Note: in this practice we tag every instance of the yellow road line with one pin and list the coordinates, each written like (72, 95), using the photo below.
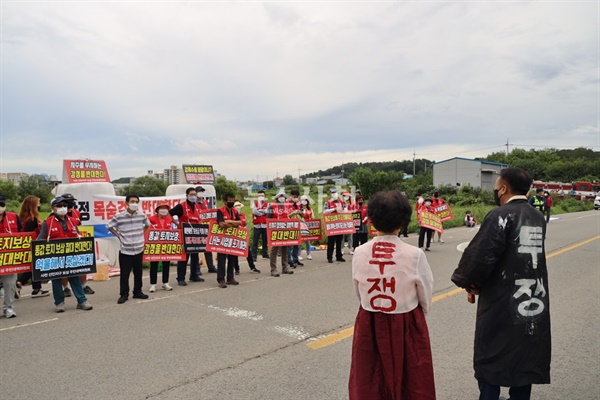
(346, 333)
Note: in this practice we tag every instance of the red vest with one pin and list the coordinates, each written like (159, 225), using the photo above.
(161, 223)
(307, 213)
(363, 210)
(262, 219)
(75, 216)
(203, 206)
(243, 219)
(279, 210)
(189, 215)
(56, 231)
(229, 214)
(9, 223)
(333, 204)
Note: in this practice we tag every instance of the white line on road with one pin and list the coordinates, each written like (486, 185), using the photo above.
(31, 323)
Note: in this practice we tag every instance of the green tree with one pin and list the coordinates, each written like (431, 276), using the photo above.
(370, 182)
(289, 180)
(36, 186)
(9, 190)
(146, 186)
(223, 186)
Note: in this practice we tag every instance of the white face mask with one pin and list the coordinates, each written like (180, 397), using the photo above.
(304, 202)
(162, 211)
(427, 203)
(2, 209)
(261, 198)
(238, 209)
(61, 211)
(192, 199)
(334, 196)
(133, 206)
(346, 198)
(281, 199)
(421, 200)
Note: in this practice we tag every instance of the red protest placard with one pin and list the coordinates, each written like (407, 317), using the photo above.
(314, 230)
(283, 232)
(15, 253)
(444, 212)
(431, 221)
(81, 171)
(232, 241)
(163, 245)
(339, 224)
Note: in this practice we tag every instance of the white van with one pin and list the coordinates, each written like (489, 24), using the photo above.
(209, 193)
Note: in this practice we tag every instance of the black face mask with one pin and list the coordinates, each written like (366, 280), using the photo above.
(496, 197)
(230, 204)
(39, 208)
(360, 204)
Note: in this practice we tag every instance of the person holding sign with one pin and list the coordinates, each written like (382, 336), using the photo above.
(9, 223)
(428, 208)
(238, 207)
(436, 202)
(259, 220)
(129, 227)
(307, 213)
(188, 212)
(391, 351)
(161, 220)
(204, 205)
(278, 210)
(29, 216)
(60, 226)
(334, 205)
(293, 205)
(227, 217)
(362, 234)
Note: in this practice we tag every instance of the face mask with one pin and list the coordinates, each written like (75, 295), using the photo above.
(304, 202)
(133, 206)
(162, 211)
(2, 209)
(281, 199)
(61, 211)
(334, 196)
(496, 197)
(39, 208)
(427, 203)
(261, 198)
(238, 209)
(230, 204)
(346, 198)
(193, 199)
(421, 200)
(360, 203)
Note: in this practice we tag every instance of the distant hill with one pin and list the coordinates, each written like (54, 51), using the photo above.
(405, 166)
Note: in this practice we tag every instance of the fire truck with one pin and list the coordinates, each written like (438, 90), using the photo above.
(579, 189)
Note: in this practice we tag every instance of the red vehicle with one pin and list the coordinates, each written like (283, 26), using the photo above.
(579, 189)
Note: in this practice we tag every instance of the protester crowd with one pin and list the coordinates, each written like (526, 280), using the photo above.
(391, 351)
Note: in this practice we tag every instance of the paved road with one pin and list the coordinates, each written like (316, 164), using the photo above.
(252, 341)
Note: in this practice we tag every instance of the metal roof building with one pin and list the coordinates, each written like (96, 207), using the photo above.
(459, 171)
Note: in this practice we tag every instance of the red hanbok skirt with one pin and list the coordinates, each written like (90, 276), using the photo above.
(391, 357)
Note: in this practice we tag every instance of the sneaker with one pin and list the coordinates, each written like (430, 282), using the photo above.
(287, 271)
(67, 292)
(309, 257)
(275, 274)
(60, 307)
(212, 270)
(299, 263)
(222, 284)
(86, 306)
(427, 249)
(152, 288)
(300, 258)
(330, 261)
(10, 313)
(232, 282)
(292, 266)
(121, 300)
(441, 240)
(182, 283)
(196, 279)
(88, 290)
(266, 256)
(256, 271)
(17, 291)
(237, 272)
(140, 295)
(340, 259)
(166, 286)
(40, 293)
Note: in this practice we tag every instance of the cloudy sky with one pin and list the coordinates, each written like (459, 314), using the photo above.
(266, 88)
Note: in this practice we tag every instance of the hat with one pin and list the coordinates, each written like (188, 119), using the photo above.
(57, 200)
(68, 197)
(304, 197)
(346, 193)
(332, 190)
(237, 204)
(539, 190)
(357, 191)
(162, 204)
(428, 199)
(281, 193)
(200, 189)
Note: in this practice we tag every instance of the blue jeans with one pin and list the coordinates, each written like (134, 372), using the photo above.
(293, 254)
(491, 392)
(76, 287)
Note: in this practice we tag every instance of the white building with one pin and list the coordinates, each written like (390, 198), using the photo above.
(459, 171)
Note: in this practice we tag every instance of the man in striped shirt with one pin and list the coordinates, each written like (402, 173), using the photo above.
(129, 227)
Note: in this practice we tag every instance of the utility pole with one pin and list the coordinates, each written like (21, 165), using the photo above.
(506, 146)
(414, 163)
